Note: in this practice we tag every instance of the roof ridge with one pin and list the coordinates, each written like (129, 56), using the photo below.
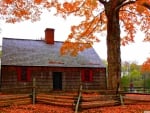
(28, 39)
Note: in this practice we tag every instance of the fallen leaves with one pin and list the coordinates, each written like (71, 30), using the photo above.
(38, 108)
(42, 108)
(120, 109)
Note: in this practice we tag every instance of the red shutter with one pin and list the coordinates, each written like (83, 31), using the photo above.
(82, 76)
(19, 73)
(91, 76)
(28, 74)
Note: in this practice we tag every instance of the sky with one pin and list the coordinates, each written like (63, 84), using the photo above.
(134, 52)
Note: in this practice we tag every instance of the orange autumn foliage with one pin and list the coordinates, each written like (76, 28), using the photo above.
(93, 12)
(146, 66)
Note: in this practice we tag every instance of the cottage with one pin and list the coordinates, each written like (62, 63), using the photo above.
(24, 59)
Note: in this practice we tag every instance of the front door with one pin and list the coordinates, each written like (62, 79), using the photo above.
(57, 81)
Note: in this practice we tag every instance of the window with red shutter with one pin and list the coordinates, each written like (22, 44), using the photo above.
(23, 74)
(87, 76)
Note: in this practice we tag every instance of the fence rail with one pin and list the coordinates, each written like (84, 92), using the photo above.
(30, 96)
(140, 95)
(7, 100)
(137, 89)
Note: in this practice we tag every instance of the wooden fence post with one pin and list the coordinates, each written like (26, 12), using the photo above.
(78, 100)
(121, 99)
(33, 91)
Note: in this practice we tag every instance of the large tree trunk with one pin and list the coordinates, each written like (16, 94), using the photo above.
(113, 46)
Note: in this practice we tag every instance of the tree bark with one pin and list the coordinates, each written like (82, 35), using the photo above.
(113, 46)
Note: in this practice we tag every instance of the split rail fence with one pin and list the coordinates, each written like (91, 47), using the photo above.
(78, 101)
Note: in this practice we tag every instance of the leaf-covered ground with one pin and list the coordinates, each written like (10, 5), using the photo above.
(41, 108)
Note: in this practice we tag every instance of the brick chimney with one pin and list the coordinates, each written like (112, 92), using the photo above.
(49, 35)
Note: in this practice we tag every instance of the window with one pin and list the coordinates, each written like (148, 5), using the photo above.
(87, 76)
(23, 74)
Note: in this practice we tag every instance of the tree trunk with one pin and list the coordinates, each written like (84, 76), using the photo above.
(113, 46)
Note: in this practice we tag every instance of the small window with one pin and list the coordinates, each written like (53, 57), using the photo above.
(23, 74)
(87, 76)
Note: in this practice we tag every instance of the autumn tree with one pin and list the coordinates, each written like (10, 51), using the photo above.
(114, 16)
(145, 69)
(146, 66)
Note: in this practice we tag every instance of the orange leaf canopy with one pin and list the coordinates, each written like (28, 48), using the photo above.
(93, 16)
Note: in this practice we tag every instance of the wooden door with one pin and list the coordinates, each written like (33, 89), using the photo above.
(57, 80)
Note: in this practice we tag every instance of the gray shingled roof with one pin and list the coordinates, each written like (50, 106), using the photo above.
(25, 52)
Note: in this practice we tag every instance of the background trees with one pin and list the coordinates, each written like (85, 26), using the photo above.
(96, 16)
(131, 73)
(145, 69)
(134, 73)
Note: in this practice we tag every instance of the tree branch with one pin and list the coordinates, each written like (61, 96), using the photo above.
(88, 27)
(146, 5)
(123, 3)
(102, 1)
